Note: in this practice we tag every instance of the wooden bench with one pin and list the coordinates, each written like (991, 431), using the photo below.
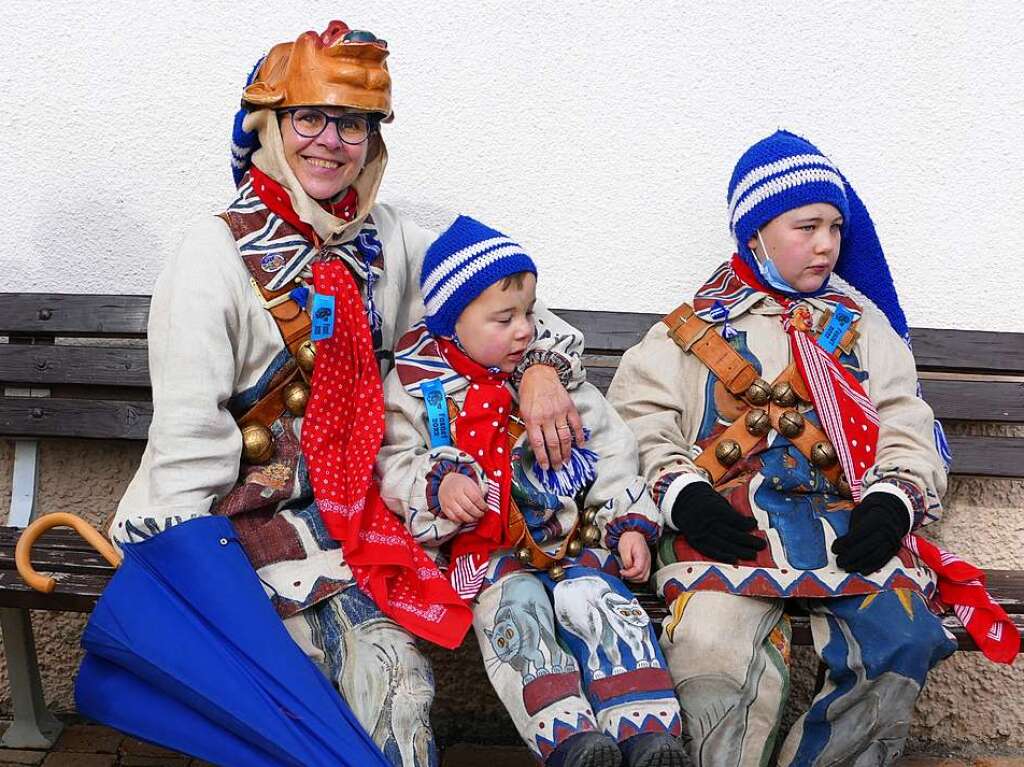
(76, 366)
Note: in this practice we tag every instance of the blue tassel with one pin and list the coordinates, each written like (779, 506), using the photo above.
(576, 473)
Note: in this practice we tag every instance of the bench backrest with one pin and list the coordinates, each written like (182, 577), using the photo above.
(76, 366)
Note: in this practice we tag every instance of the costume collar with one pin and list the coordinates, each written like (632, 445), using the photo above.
(419, 359)
(285, 244)
(726, 296)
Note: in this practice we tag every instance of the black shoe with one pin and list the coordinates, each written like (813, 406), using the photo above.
(654, 749)
(588, 749)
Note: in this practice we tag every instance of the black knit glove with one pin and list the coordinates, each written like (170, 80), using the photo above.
(712, 526)
(877, 525)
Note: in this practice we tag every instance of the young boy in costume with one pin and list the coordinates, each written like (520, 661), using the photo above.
(781, 430)
(567, 647)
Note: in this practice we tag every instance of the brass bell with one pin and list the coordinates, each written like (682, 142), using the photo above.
(590, 535)
(296, 395)
(757, 422)
(523, 555)
(574, 548)
(589, 516)
(728, 451)
(556, 573)
(783, 394)
(823, 455)
(758, 392)
(791, 423)
(257, 443)
(305, 355)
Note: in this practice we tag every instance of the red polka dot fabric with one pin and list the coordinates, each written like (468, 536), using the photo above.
(341, 433)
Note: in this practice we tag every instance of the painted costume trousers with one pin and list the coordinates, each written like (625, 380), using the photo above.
(377, 668)
(729, 659)
(571, 656)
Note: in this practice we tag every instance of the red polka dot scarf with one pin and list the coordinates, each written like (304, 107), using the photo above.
(341, 434)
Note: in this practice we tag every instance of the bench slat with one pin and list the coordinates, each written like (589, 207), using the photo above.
(68, 315)
(74, 593)
(950, 399)
(58, 417)
(59, 364)
(968, 351)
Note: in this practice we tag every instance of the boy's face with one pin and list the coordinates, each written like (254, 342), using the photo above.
(803, 243)
(497, 326)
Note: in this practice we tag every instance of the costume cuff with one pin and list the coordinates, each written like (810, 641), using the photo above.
(668, 488)
(561, 364)
(894, 488)
(441, 469)
(627, 522)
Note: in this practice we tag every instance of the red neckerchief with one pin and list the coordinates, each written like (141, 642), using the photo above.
(483, 434)
(277, 200)
(341, 434)
(851, 421)
(847, 414)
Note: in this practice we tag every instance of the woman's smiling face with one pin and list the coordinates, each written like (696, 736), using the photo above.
(325, 165)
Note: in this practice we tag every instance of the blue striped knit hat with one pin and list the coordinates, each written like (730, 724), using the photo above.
(785, 171)
(461, 264)
(243, 142)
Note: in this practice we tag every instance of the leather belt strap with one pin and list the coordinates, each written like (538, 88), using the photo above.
(694, 335)
(294, 325)
(737, 430)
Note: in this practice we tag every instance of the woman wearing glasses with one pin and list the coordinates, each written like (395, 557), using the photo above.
(268, 332)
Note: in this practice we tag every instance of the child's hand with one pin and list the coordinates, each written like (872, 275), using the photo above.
(461, 498)
(635, 556)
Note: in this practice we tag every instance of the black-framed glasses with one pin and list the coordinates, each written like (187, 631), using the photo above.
(310, 122)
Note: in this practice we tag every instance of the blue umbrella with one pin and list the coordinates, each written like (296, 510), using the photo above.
(184, 649)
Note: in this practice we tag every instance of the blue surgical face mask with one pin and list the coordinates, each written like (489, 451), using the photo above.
(769, 272)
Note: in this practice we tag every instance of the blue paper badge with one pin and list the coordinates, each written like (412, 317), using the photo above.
(438, 424)
(322, 314)
(836, 329)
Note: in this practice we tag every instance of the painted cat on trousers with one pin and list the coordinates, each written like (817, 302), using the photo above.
(520, 630)
(590, 609)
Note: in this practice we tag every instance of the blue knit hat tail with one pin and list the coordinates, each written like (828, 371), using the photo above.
(862, 263)
(243, 142)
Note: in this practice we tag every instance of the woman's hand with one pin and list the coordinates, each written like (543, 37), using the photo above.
(635, 556)
(461, 498)
(552, 421)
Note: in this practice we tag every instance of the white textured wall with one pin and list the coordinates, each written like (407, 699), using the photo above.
(602, 136)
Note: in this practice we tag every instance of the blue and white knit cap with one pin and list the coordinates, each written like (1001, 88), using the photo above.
(465, 260)
(783, 172)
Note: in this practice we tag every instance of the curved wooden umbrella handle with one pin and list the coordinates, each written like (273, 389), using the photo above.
(23, 551)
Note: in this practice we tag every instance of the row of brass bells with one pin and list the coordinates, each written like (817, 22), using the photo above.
(823, 455)
(590, 535)
(783, 394)
(757, 422)
(257, 443)
(296, 396)
(305, 356)
(574, 548)
(589, 516)
(759, 392)
(556, 572)
(524, 556)
(728, 451)
(791, 423)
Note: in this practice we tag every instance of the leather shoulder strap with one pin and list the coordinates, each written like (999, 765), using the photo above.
(694, 335)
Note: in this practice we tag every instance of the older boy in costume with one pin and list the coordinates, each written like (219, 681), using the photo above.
(567, 647)
(781, 430)
(267, 331)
